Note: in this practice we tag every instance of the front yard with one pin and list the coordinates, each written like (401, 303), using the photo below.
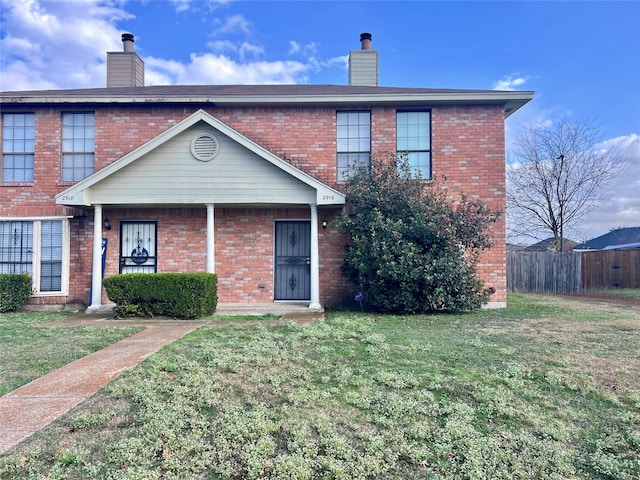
(547, 388)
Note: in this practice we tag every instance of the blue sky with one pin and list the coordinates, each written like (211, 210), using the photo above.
(581, 58)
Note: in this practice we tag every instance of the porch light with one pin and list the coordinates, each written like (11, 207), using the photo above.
(324, 224)
(106, 224)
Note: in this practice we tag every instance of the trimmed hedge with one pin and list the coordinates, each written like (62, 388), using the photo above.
(179, 295)
(15, 290)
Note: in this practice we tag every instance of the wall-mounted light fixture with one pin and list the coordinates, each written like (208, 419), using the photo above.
(324, 224)
(107, 224)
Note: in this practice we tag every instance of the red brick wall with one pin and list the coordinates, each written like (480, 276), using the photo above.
(467, 148)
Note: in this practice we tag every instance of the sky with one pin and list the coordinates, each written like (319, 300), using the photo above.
(581, 58)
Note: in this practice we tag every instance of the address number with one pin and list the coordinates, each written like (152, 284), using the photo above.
(328, 197)
(67, 197)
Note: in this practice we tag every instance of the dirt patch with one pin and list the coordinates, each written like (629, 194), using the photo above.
(595, 345)
(608, 303)
(605, 297)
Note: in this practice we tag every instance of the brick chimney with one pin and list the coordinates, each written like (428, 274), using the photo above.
(126, 68)
(363, 64)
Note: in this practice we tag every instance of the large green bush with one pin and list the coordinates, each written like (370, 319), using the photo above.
(413, 249)
(15, 290)
(179, 295)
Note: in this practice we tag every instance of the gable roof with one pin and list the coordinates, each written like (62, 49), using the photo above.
(230, 95)
(549, 244)
(619, 238)
(79, 194)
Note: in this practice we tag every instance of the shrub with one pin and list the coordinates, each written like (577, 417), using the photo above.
(412, 248)
(180, 295)
(15, 290)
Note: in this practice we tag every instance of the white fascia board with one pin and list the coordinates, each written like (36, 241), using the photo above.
(34, 217)
(622, 246)
(372, 99)
(74, 196)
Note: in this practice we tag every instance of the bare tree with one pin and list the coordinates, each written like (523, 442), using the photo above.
(557, 176)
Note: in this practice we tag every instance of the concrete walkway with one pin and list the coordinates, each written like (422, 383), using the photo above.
(35, 405)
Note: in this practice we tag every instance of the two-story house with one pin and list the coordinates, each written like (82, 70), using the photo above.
(240, 180)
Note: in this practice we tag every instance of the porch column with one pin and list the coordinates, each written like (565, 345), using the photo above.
(211, 257)
(96, 272)
(315, 261)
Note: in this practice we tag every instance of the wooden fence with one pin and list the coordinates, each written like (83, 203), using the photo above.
(543, 272)
(553, 272)
(610, 269)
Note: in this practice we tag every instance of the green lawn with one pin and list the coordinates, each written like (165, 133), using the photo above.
(29, 348)
(548, 388)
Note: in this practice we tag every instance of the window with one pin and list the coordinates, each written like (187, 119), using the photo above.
(35, 247)
(353, 141)
(18, 143)
(78, 145)
(413, 134)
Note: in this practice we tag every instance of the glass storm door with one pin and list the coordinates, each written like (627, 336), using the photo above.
(293, 260)
(138, 247)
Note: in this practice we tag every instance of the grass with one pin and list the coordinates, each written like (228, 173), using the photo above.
(29, 348)
(548, 388)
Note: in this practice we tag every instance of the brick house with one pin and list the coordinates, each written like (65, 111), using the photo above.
(240, 180)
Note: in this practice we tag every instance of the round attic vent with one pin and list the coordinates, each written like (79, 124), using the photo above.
(204, 147)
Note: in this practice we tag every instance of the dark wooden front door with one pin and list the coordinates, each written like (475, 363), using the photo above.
(293, 260)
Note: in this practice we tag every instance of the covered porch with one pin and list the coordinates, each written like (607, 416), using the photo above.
(200, 164)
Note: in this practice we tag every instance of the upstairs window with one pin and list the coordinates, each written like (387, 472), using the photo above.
(353, 142)
(18, 145)
(78, 145)
(413, 134)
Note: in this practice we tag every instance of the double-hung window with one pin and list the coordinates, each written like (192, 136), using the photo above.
(36, 247)
(78, 145)
(413, 135)
(18, 144)
(353, 142)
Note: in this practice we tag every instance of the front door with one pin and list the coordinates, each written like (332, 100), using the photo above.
(138, 247)
(293, 260)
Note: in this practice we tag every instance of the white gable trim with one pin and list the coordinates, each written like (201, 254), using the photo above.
(80, 193)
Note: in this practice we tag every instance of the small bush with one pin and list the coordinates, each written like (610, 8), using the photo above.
(15, 290)
(179, 295)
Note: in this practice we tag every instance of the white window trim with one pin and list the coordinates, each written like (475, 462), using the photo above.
(37, 243)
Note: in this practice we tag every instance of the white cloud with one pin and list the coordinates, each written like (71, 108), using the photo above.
(221, 46)
(219, 69)
(246, 48)
(57, 44)
(187, 5)
(51, 45)
(233, 24)
(621, 204)
(510, 82)
(295, 47)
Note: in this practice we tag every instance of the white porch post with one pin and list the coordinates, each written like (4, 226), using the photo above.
(315, 261)
(96, 273)
(211, 257)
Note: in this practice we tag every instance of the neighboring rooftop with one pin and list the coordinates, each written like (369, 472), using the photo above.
(628, 237)
(548, 245)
